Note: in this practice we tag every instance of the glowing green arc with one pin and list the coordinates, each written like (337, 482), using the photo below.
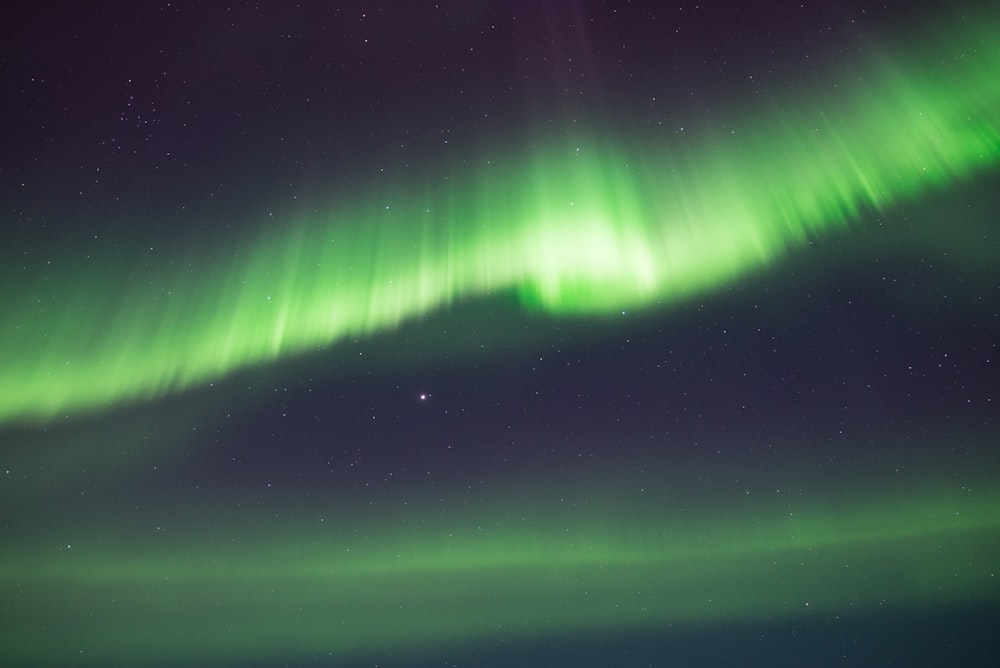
(590, 227)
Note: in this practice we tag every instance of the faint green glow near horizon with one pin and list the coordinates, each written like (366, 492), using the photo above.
(596, 226)
(368, 586)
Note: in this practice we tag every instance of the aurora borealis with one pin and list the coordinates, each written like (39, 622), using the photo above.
(479, 348)
(568, 572)
(573, 227)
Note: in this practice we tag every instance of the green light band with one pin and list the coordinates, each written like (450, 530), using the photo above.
(593, 226)
(413, 581)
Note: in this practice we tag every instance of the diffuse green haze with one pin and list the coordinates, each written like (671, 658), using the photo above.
(593, 226)
(503, 572)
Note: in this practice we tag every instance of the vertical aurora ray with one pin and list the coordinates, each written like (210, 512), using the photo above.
(597, 225)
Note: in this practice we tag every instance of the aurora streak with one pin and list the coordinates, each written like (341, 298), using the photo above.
(304, 592)
(588, 226)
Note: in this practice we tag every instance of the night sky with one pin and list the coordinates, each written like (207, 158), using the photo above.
(491, 333)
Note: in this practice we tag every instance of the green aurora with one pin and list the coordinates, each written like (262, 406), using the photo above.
(596, 225)
(404, 580)
(606, 222)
